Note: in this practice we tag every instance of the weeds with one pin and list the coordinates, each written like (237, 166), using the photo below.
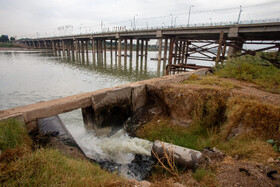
(252, 69)
(168, 158)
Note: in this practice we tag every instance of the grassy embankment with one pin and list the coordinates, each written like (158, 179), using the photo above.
(216, 112)
(24, 164)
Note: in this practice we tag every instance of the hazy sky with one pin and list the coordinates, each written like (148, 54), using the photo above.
(30, 18)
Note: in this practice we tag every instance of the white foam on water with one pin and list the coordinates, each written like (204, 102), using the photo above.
(118, 148)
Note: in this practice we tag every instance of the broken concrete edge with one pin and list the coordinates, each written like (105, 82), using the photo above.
(53, 107)
(183, 156)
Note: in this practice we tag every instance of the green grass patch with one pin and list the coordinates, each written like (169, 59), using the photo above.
(13, 135)
(252, 69)
(162, 129)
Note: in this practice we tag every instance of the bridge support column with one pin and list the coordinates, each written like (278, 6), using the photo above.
(183, 51)
(120, 52)
(73, 49)
(68, 47)
(159, 49)
(130, 47)
(76, 49)
(39, 44)
(146, 49)
(86, 43)
(63, 47)
(137, 49)
(45, 44)
(236, 48)
(142, 50)
(171, 46)
(159, 55)
(165, 49)
(105, 48)
(111, 49)
(125, 48)
(58, 47)
(175, 53)
(83, 50)
(53, 46)
(116, 49)
(217, 60)
(34, 44)
(93, 50)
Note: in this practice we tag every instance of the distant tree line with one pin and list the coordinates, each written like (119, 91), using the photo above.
(6, 39)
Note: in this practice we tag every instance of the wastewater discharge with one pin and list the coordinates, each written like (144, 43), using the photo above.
(117, 152)
(119, 148)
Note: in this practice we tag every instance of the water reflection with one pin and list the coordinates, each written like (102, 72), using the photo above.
(132, 67)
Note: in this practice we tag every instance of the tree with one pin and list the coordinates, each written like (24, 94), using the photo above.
(4, 38)
(12, 39)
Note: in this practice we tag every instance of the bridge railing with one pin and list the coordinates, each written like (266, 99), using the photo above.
(272, 20)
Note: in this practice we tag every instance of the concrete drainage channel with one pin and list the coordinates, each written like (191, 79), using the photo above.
(113, 116)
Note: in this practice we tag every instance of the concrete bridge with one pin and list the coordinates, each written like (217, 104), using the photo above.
(209, 43)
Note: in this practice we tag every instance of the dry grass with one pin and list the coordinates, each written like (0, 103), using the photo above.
(167, 161)
(261, 120)
(210, 80)
(248, 148)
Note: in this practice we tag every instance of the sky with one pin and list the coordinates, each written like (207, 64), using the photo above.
(41, 18)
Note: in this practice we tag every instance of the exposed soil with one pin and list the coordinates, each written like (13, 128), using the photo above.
(177, 101)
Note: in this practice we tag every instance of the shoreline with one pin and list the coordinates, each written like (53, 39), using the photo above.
(22, 49)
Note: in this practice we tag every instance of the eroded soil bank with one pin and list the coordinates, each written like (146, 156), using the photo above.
(233, 118)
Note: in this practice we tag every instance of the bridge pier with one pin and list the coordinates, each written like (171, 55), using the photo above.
(53, 46)
(235, 48)
(93, 51)
(76, 49)
(86, 44)
(116, 50)
(142, 50)
(58, 47)
(63, 48)
(73, 50)
(120, 52)
(111, 50)
(130, 47)
(125, 48)
(137, 49)
(146, 49)
(105, 49)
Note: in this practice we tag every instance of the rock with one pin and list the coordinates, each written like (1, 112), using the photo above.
(213, 154)
(183, 156)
